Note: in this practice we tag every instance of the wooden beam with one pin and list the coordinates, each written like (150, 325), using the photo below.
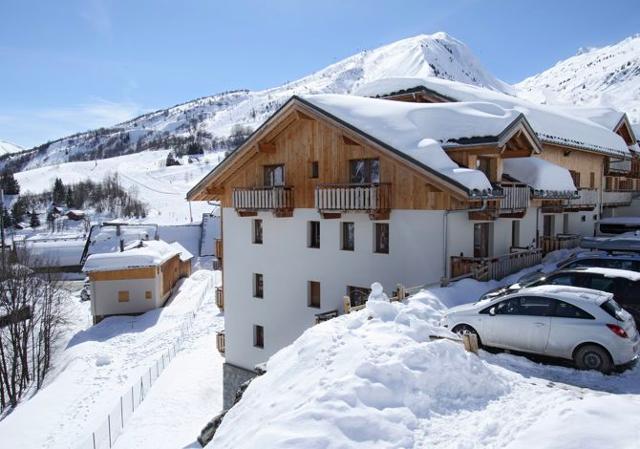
(266, 147)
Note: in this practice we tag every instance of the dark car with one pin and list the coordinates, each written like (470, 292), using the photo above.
(624, 284)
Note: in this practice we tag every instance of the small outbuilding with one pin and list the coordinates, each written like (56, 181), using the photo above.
(75, 215)
(138, 279)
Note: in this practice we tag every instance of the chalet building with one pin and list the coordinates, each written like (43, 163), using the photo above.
(334, 192)
(138, 279)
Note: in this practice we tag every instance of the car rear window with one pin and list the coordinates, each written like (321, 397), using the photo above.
(612, 308)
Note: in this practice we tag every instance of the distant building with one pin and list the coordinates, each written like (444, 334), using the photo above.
(135, 280)
(76, 215)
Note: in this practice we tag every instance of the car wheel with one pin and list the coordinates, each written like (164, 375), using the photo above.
(461, 329)
(593, 357)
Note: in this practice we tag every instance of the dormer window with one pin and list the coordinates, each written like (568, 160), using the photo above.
(273, 175)
(364, 171)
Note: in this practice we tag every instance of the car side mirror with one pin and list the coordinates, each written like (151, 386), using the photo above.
(492, 311)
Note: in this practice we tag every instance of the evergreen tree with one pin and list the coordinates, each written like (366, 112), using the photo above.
(9, 183)
(59, 192)
(171, 160)
(6, 217)
(69, 198)
(34, 220)
(18, 210)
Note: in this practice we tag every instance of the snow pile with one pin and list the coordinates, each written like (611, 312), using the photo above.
(539, 174)
(418, 129)
(359, 382)
(142, 254)
(551, 123)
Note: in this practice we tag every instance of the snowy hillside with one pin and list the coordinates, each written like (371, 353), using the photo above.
(208, 121)
(9, 148)
(162, 188)
(607, 76)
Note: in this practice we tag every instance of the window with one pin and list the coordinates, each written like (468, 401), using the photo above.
(484, 165)
(258, 336)
(382, 238)
(564, 279)
(515, 233)
(565, 310)
(313, 294)
(123, 296)
(258, 286)
(592, 180)
(481, 232)
(525, 305)
(273, 175)
(314, 170)
(548, 224)
(565, 223)
(576, 178)
(257, 232)
(313, 234)
(348, 236)
(148, 294)
(364, 171)
(358, 295)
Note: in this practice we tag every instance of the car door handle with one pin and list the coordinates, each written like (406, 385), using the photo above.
(539, 324)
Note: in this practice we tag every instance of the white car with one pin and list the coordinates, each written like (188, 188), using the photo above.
(579, 324)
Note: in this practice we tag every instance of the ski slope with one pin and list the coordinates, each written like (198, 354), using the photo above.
(162, 188)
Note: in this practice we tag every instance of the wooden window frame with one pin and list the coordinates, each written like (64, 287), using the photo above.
(148, 294)
(343, 232)
(358, 295)
(257, 238)
(258, 336)
(368, 164)
(268, 179)
(313, 241)
(314, 170)
(377, 247)
(314, 300)
(123, 296)
(258, 285)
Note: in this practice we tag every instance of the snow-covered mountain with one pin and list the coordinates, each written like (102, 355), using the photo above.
(607, 76)
(9, 148)
(209, 121)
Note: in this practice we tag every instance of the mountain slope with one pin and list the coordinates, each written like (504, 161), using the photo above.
(607, 76)
(9, 148)
(209, 121)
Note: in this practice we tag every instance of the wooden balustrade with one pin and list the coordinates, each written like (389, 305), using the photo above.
(516, 198)
(560, 241)
(278, 199)
(220, 298)
(486, 268)
(220, 342)
(616, 198)
(374, 199)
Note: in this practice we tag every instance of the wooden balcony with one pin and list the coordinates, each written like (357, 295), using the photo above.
(374, 199)
(616, 198)
(220, 342)
(278, 199)
(515, 200)
(486, 268)
(619, 167)
(220, 298)
(587, 199)
(560, 241)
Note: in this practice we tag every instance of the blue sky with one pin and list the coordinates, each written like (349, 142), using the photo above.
(72, 65)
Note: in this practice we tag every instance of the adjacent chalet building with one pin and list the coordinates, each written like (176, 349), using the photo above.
(334, 192)
(137, 279)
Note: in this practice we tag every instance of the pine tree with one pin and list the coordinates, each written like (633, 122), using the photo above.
(58, 192)
(9, 183)
(18, 210)
(6, 217)
(69, 198)
(34, 220)
(171, 160)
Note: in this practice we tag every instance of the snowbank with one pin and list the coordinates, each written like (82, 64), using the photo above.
(539, 174)
(551, 123)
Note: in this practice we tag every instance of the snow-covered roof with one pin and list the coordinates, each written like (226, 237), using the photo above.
(607, 117)
(552, 124)
(539, 174)
(182, 251)
(144, 254)
(420, 130)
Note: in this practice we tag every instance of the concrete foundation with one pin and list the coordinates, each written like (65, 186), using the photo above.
(232, 377)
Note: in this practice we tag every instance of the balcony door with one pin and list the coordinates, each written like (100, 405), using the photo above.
(481, 239)
(548, 225)
(364, 171)
(273, 175)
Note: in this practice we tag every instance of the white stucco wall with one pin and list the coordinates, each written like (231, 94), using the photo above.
(104, 296)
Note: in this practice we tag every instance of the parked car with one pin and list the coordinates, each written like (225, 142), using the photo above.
(574, 323)
(624, 284)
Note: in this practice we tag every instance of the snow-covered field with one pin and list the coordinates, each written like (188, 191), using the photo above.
(162, 188)
(100, 362)
(375, 379)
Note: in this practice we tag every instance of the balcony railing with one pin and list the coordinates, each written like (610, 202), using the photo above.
(485, 268)
(616, 198)
(277, 198)
(587, 199)
(560, 241)
(554, 194)
(371, 198)
(220, 298)
(516, 198)
(220, 342)
(617, 167)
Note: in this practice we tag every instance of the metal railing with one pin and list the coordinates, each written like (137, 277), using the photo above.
(616, 198)
(516, 197)
(554, 194)
(560, 241)
(486, 268)
(353, 197)
(220, 342)
(263, 198)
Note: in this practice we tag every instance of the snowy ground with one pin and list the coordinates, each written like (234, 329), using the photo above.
(100, 362)
(375, 379)
(162, 188)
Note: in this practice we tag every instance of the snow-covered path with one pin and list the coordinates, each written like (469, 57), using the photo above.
(187, 394)
(97, 366)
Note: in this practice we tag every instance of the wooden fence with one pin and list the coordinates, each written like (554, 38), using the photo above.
(486, 268)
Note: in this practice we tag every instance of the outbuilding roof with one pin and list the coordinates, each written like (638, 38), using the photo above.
(137, 255)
